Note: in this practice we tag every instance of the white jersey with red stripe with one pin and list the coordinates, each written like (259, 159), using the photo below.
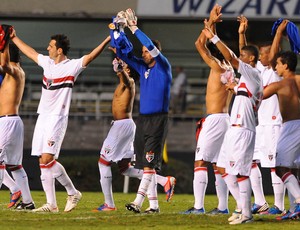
(58, 82)
(269, 111)
(249, 92)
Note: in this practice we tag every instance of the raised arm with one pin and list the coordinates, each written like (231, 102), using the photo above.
(25, 49)
(214, 17)
(4, 60)
(204, 52)
(277, 39)
(227, 53)
(120, 67)
(242, 31)
(96, 52)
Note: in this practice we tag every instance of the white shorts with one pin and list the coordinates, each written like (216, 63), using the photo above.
(48, 134)
(237, 151)
(119, 141)
(288, 147)
(211, 137)
(11, 140)
(265, 144)
(297, 162)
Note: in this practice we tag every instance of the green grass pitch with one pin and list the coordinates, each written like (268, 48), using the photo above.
(169, 218)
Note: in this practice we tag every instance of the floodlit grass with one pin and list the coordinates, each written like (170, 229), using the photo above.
(169, 218)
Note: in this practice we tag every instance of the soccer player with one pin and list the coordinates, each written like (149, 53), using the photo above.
(288, 147)
(151, 127)
(267, 131)
(240, 138)
(214, 125)
(11, 125)
(59, 76)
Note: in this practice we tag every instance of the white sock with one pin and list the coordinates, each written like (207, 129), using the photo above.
(143, 187)
(292, 185)
(245, 196)
(48, 185)
(256, 184)
(133, 172)
(232, 184)
(59, 173)
(279, 190)
(10, 183)
(21, 179)
(106, 184)
(152, 193)
(222, 191)
(2, 171)
(162, 180)
(200, 185)
(292, 202)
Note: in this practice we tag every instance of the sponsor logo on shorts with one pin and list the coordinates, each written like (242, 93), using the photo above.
(270, 157)
(232, 163)
(107, 149)
(51, 143)
(149, 156)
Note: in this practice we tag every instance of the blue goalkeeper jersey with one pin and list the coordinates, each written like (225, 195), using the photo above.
(155, 82)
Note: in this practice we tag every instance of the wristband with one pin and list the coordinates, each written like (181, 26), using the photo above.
(215, 39)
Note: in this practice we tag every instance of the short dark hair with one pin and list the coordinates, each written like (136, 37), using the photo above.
(157, 44)
(14, 53)
(289, 58)
(252, 50)
(62, 42)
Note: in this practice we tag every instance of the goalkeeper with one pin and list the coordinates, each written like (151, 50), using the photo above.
(151, 127)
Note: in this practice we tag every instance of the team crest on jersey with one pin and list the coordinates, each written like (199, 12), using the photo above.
(49, 83)
(147, 73)
(107, 149)
(51, 143)
(149, 156)
(232, 163)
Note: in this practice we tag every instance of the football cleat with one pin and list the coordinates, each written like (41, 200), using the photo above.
(242, 220)
(257, 209)
(296, 213)
(46, 208)
(235, 215)
(14, 198)
(217, 211)
(104, 208)
(169, 187)
(21, 206)
(151, 210)
(72, 201)
(285, 216)
(133, 207)
(272, 211)
(194, 211)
